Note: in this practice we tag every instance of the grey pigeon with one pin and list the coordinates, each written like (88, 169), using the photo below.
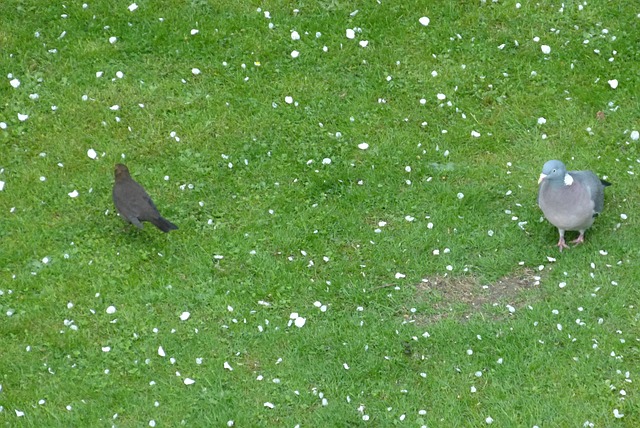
(134, 204)
(570, 200)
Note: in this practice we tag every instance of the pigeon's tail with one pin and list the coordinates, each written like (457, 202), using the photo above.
(605, 183)
(163, 224)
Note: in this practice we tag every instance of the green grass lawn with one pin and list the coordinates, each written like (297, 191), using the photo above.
(381, 187)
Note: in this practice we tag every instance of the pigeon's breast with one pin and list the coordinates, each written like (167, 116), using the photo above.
(567, 207)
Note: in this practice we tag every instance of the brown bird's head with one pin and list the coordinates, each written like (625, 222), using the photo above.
(121, 171)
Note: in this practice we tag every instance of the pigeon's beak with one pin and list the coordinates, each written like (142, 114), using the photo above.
(542, 177)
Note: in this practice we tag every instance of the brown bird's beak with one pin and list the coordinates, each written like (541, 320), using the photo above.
(542, 177)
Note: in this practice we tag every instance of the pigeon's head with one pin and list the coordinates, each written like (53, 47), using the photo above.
(121, 171)
(554, 170)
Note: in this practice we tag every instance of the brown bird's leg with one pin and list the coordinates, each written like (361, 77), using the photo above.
(561, 243)
(579, 239)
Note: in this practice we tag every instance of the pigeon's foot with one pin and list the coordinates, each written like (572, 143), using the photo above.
(579, 239)
(562, 244)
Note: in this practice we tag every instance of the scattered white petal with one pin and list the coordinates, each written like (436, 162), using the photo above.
(228, 366)
(161, 351)
(299, 322)
(400, 275)
(295, 35)
(441, 97)
(22, 117)
(460, 195)
(489, 420)
(326, 161)
(269, 405)
(19, 413)
(475, 134)
(189, 381)
(111, 310)
(74, 194)
(195, 71)
(113, 39)
(635, 135)
(545, 49)
(14, 82)
(424, 21)
(617, 413)
(185, 316)
(92, 153)
(613, 83)
(350, 33)
(132, 7)
(106, 348)
(363, 146)
(288, 99)
(295, 54)
(363, 43)
(542, 121)
(194, 31)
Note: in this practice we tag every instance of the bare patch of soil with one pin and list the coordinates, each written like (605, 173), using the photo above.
(466, 296)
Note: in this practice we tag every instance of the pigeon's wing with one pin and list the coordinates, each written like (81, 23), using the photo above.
(593, 185)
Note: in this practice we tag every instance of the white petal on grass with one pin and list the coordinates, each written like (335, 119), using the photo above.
(295, 54)
(489, 420)
(617, 414)
(15, 83)
(19, 413)
(92, 153)
(185, 316)
(363, 146)
(635, 135)
(475, 134)
(326, 161)
(1, 186)
(542, 121)
(119, 74)
(546, 49)
(288, 99)
(195, 71)
(424, 20)
(106, 348)
(194, 32)
(350, 33)
(269, 405)
(73, 194)
(132, 7)
(400, 275)
(441, 97)
(300, 321)
(613, 83)
(227, 366)
(189, 381)
(460, 195)
(161, 351)
(22, 117)
(295, 35)
(111, 310)
(3, 125)
(363, 43)
(113, 39)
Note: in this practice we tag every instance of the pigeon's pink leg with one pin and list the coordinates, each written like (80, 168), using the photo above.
(579, 239)
(561, 243)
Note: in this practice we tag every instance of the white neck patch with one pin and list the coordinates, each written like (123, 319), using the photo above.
(568, 180)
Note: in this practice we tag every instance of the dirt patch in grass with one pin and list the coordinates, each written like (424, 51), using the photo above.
(466, 296)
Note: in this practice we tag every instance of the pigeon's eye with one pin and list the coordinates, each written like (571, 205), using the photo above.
(554, 170)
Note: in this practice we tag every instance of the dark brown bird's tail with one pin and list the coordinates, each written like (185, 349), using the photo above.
(163, 224)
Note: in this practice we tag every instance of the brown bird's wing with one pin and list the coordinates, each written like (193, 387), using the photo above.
(133, 203)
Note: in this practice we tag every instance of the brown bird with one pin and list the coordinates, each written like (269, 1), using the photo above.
(134, 204)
